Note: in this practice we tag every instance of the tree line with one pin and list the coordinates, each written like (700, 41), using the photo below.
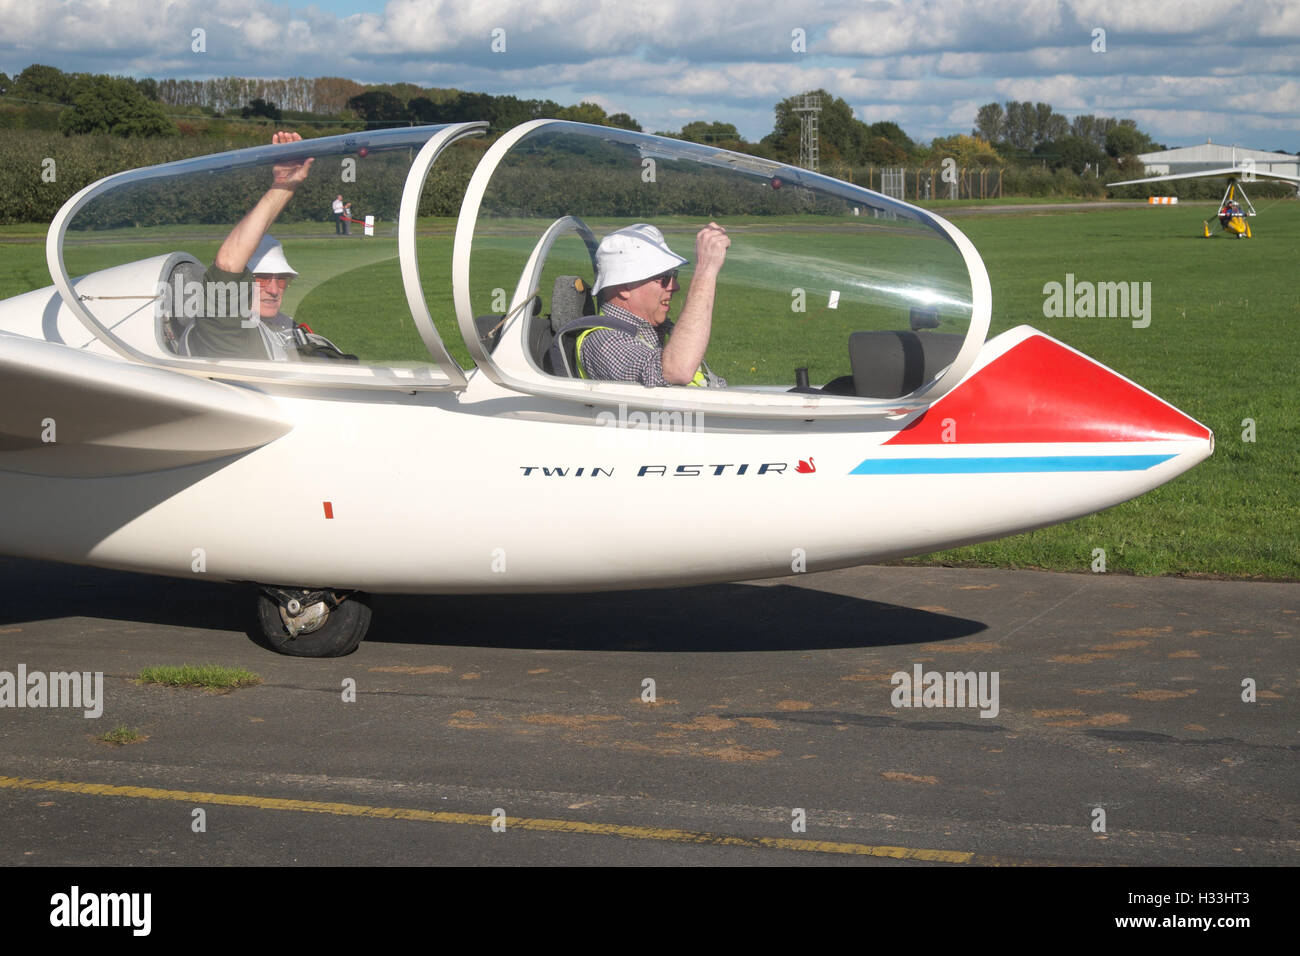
(1029, 131)
(1042, 151)
(1015, 133)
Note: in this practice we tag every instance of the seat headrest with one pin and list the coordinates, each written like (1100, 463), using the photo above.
(570, 299)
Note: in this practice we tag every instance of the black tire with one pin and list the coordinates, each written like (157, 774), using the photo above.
(344, 629)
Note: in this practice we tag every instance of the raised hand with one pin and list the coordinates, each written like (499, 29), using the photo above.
(289, 175)
(711, 245)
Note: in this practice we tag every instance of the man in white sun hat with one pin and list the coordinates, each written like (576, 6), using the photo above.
(636, 277)
(248, 254)
(272, 274)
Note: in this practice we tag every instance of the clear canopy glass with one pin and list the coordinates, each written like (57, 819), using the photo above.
(242, 260)
(246, 260)
(812, 259)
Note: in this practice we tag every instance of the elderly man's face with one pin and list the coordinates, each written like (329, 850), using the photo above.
(652, 298)
(270, 293)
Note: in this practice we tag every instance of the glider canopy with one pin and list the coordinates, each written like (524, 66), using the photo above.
(813, 261)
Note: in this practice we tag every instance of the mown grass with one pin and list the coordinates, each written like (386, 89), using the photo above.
(1222, 346)
(210, 676)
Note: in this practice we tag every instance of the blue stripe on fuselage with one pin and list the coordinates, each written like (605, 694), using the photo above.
(1010, 465)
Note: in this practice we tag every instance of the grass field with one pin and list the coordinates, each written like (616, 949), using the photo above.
(1222, 346)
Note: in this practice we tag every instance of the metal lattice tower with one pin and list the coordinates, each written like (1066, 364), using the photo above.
(809, 106)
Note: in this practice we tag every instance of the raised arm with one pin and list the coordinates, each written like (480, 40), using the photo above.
(238, 248)
(690, 339)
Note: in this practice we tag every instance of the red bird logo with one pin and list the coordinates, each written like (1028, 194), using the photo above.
(806, 467)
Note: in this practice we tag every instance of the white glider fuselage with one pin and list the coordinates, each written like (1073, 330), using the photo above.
(486, 490)
(508, 478)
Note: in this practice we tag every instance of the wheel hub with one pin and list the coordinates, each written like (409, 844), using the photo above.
(306, 620)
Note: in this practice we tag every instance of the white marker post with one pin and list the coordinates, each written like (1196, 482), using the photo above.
(370, 225)
(835, 300)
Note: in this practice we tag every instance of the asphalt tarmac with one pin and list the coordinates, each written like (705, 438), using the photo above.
(522, 730)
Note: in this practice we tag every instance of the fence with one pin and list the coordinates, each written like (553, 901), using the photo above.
(981, 182)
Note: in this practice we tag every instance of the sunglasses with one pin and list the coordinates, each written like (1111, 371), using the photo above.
(281, 281)
(667, 279)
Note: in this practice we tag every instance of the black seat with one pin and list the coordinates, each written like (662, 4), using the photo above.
(893, 364)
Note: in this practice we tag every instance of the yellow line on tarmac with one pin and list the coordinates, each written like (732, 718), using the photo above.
(666, 834)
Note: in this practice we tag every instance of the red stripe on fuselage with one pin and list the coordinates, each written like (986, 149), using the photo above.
(1041, 391)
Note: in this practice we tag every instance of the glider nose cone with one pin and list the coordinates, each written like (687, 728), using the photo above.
(1040, 391)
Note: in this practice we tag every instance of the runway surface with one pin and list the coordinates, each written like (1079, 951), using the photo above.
(1118, 733)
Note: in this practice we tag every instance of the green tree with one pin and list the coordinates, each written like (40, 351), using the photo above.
(260, 107)
(1093, 128)
(403, 91)
(624, 121)
(702, 132)
(423, 110)
(466, 107)
(1021, 119)
(509, 111)
(840, 134)
(330, 94)
(5, 83)
(40, 82)
(585, 113)
(1023, 125)
(109, 104)
(1073, 152)
(1048, 124)
(990, 123)
(891, 132)
(879, 151)
(377, 106)
(967, 150)
(1125, 139)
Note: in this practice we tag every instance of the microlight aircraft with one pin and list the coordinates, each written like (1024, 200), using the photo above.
(459, 455)
(1234, 208)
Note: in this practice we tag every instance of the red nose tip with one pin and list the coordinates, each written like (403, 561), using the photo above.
(1043, 391)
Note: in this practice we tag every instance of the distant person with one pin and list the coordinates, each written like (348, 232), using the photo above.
(347, 219)
(1227, 212)
(636, 278)
(337, 208)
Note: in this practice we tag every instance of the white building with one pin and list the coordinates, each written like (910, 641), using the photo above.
(1192, 159)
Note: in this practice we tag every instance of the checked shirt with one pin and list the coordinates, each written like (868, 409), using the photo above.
(614, 356)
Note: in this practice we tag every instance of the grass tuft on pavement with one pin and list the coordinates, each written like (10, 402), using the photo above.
(211, 676)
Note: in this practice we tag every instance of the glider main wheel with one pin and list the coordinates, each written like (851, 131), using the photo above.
(305, 623)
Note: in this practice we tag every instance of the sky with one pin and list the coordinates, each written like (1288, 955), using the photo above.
(1186, 70)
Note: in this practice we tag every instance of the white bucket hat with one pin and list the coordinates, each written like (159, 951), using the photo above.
(633, 254)
(268, 258)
